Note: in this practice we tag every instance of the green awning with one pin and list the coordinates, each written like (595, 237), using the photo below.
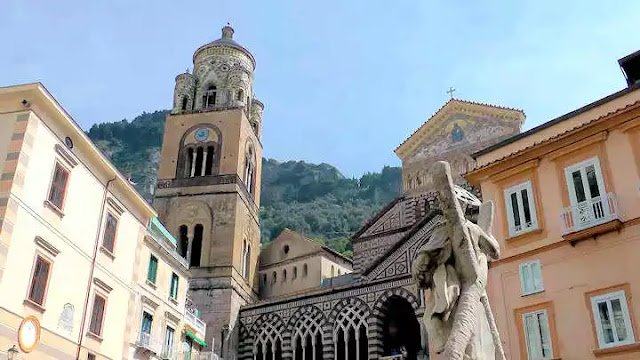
(195, 338)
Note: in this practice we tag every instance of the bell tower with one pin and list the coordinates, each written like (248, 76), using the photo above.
(208, 190)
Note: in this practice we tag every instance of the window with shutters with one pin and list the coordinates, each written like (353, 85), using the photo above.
(537, 335)
(173, 292)
(109, 236)
(612, 320)
(58, 188)
(39, 280)
(531, 277)
(97, 314)
(521, 209)
(153, 269)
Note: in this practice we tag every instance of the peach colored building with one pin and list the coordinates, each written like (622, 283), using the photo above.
(70, 225)
(567, 197)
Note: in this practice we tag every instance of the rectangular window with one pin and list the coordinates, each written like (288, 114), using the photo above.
(97, 315)
(611, 315)
(153, 269)
(168, 341)
(531, 277)
(109, 237)
(521, 209)
(537, 335)
(39, 280)
(589, 203)
(174, 286)
(58, 186)
(147, 320)
(91, 356)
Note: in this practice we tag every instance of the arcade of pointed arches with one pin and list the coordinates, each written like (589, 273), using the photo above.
(198, 158)
(345, 333)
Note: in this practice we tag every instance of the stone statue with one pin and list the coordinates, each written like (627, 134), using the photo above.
(452, 267)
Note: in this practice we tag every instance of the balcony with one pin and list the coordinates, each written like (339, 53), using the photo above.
(192, 320)
(590, 218)
(169, 354)
(148, 343)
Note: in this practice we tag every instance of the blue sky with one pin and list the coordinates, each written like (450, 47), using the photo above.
(343, 82)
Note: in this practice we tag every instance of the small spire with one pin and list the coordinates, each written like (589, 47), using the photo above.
(227, 32)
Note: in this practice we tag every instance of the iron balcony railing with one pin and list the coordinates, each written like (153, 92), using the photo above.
(191, 319)
(589, 213)
(148, 342)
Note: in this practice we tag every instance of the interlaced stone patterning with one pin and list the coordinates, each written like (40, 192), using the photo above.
(307, 335)
(351, 331)
(268, 341)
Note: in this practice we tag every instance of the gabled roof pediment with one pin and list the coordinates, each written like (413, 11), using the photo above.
(445, 130)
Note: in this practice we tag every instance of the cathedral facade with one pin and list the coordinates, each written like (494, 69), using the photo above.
(297, 299)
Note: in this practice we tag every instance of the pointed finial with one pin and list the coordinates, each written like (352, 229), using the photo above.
(227, 32)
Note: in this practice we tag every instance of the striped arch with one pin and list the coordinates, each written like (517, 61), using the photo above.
(266, 336)
(347, 314)
(376, 346)
(306, 327)
(245, 350)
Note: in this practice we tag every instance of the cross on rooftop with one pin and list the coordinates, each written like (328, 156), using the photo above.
(450, 91)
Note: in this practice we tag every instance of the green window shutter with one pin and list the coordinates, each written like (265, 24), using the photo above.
(174, 286)
(153, 269)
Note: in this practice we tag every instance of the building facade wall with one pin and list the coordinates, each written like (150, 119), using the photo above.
(575, 264)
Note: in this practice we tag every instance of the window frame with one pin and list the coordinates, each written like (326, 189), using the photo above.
(568, 171)
(155, 275)
(115, 232)
(169, 348)
(97, 294)
(173, 292)
(39, 255)
(521, 268)
(621, 295)
(517, 189)
(58, 165)
(534, 313)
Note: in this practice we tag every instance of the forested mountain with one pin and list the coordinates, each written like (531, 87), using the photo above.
(313, 199)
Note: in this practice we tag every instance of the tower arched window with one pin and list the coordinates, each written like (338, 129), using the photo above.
(284, 275)
(295, 273)
(209, 97)
(196, 245)
(189, 165)
(244, 257)
(199, 161)
(208, 166)
(185, 101)
(247, 262)
(240, 95)
(249, 169)
(274, 278)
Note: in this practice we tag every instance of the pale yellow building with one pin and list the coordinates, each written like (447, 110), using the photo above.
(292, 263)
(165, 322)
(70, 230)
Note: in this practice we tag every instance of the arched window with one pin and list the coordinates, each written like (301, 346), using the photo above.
(350, 334)
(188, 163)
(284, 275)
(307, 337)
(196, 246)
(249, 165)
(209, 97)
(240, 95)
(295, 273)
(183, 241)
(185, 101)
(247, 262)
(208, 166)
(274, 278)
(243, 258)
(304, 270)
(268, 344)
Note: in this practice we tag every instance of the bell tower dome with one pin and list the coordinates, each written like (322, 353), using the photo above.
(208, 190)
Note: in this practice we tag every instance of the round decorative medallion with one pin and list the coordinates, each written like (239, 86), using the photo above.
(201, 134)
(224, 67)
(29, 334)
(68, 142)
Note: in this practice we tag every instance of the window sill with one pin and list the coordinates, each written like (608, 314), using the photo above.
(34, 305)
(94, 336)
(151, 284)
(173, 301)
(617, 349)
(54, 208)
(532, 293)
(523, 234)
(107, 252)
(593, 231)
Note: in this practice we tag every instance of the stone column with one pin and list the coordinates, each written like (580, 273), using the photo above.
(204, 162)
(189, 246)
(193, 163)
